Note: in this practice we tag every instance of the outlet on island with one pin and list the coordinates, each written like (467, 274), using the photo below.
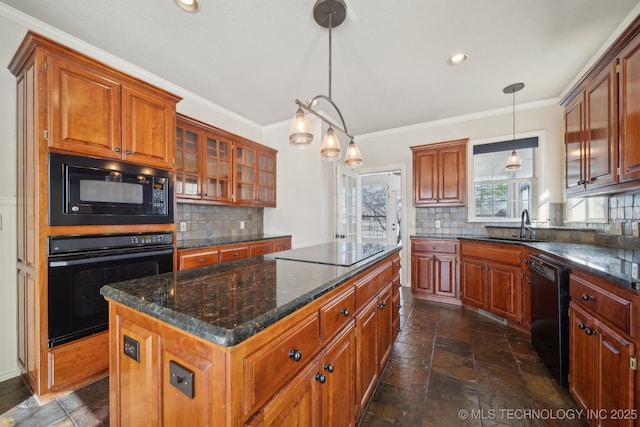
(438, 223)
(241, 225)
(183, 226)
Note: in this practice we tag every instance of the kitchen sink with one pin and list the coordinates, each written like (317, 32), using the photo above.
(514, 239)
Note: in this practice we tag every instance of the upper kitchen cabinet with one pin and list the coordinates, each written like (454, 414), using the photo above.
(591, 135)
(215, 166)
(90, 109)
(439, 174)
(203, 162)
(601, 126)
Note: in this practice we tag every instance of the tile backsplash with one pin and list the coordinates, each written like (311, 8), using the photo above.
(207, 221)
(624, 219)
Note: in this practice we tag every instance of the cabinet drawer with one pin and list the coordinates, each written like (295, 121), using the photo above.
(336, 313)
(198, 259)
(260, 249)
(281, 245)
(230, 254)
(440, 246)
(369, 285)
(506, 254)
(270, 367)
(609, 307)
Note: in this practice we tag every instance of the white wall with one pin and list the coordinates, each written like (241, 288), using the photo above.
(304, 189)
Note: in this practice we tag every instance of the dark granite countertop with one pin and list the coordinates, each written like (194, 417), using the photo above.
(228, 303)
(618, 266)
(226, 240)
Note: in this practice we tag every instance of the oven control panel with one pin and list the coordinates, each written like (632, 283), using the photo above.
(70, 244)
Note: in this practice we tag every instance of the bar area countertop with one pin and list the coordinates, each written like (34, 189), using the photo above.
(230, 302)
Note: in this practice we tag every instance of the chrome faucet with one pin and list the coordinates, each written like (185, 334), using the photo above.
(524, 221)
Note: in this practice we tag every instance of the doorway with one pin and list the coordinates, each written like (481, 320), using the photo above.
(381, 199)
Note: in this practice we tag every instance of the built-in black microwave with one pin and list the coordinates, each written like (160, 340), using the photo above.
(87, 191)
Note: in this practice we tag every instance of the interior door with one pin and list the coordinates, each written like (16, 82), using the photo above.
(348, 206)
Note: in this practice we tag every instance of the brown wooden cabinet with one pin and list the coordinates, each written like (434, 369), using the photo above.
(67, 102)
(200, 257)
(602, 357)
(97, 112)
(601, 130)
(434, 270)
(591, 135)
(306, 369)
(491, 278)
(439, 174)
(215, 166)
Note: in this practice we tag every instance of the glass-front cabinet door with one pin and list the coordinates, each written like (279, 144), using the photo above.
(245, 174)
(266, 179)
(188, 185)
(217, 180)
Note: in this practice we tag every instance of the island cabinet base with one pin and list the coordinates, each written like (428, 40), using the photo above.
(317, 366)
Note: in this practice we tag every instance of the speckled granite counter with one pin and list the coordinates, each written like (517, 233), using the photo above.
(226, 240)
(619, 266)
(227, 303)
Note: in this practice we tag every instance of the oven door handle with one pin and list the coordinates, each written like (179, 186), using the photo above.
(107, 258)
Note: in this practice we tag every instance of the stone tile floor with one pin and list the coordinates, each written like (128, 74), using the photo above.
(449, 367)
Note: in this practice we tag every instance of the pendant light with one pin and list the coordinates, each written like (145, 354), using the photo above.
(515, 162)
(327, 14)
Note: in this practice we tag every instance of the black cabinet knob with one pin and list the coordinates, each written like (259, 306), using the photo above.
(582, 326)
(586, 297)
(296, 355)
(321, 378)
(588, 331)
(328, 367)
(344, 312)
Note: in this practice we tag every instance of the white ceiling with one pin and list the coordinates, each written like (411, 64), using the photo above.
(255, 57)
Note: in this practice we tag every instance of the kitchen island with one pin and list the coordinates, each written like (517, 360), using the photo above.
(261, 341)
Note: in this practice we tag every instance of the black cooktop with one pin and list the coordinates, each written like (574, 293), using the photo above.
(336, 253)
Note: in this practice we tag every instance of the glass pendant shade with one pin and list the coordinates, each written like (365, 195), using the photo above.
(300, 133)
(330, 149)
(353, 158)
(515, 162)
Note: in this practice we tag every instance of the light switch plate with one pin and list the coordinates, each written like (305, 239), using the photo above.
(181, 378)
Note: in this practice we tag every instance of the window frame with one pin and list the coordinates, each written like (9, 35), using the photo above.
(538, 180)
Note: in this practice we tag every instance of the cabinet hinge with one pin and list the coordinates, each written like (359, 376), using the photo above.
(633, 363)
(45, 66)
(45, 134)
(617, 68)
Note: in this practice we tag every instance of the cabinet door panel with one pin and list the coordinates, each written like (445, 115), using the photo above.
(425, 179)
(473, 282)
(338, 392)
(367, 355)
(617, 378)
(422, 275)
(85, 109)
(452, 174)
(446, 277)
(582, 358)
(504, 290)
(574, 140)
(148, 128)
(629, 93)
(601, 130)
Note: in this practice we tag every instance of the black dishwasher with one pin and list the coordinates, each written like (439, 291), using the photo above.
(550, 314)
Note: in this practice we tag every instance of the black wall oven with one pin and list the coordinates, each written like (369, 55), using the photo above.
(78, 266)
(88, 191)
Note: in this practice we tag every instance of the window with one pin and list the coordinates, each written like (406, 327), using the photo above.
(499, 194)
(374, 211)
(591, 209)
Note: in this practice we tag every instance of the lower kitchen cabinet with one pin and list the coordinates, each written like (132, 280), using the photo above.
(434, 270)
(491, 278)
(602, 372)
(200, 257)
(318, 366)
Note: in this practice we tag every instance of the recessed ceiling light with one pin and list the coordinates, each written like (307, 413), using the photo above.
(188, 5)
(458, 58)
